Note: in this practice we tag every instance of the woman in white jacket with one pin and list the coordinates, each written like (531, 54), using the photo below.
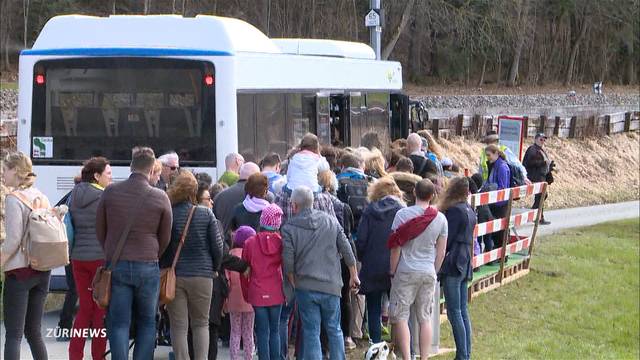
(25, 289)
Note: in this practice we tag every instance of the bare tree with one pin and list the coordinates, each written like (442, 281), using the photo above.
(404, 20)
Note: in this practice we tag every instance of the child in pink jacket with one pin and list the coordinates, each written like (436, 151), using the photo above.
(240, 312)
(263, 252)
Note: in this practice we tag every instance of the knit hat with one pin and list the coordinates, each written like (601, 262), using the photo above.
(271, 217)
(242, 234)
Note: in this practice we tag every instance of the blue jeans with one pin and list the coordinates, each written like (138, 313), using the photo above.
(455, 295)
(319, 308)
(284, 329)
(268, 331)
(134, 284)
(374, 311)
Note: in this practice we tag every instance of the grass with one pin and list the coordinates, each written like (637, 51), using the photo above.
(9, 85)
(580, 301)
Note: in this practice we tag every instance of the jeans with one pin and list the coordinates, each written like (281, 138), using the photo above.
(455, 295)
(374, 311)
(285, 315)
(133, 283)
(89, 316)
(23, 308)
(70, 300)
(267, 320)
(318, 308)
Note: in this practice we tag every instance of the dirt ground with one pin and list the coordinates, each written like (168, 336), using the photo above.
(589, 172)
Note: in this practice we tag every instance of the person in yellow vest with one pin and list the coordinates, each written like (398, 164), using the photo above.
(493, 138)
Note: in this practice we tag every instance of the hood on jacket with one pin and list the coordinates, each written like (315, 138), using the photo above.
(400, 176)
(384, 208)
(84, 194)
(270, 243)
(306, 219)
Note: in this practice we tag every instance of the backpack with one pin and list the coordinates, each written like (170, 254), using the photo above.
(517, 177)
(353, 192)
(47, 244)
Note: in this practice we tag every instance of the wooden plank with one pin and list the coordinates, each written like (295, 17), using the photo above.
(538, 217)
(459, 123)
(542, 124)
(506, 235)
(572, 127)
(627, 122)
(435, 128)
(607, 124)
(556, 128)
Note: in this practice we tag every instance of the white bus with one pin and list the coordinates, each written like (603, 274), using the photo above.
(203, 87)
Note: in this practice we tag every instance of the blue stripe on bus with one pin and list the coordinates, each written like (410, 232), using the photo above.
(126, 52)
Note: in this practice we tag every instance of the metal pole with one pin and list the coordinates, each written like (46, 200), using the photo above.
(375, 33)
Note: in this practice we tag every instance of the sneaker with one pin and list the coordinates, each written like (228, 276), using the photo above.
(349, 344)
(544, 222)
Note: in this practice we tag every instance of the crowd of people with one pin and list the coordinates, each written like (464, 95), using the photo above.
(288, 251)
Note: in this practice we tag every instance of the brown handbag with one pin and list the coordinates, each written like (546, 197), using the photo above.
(168, 275)
(101, 283)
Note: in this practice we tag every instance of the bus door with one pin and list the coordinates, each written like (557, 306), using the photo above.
(339, 120)
(323, 118)
(399, 116)
(357, 117)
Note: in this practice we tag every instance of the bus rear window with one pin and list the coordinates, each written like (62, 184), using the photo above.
(106, 106)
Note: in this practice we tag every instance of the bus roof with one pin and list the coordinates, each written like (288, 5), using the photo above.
(175, 34)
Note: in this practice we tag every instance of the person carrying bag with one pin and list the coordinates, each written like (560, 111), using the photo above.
(168, 275)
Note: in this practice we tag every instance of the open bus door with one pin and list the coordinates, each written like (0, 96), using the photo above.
(399, 104)
(323, 118)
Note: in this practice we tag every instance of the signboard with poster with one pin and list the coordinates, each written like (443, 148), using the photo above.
(511, 133)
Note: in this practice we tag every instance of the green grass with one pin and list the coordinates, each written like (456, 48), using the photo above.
(9, 85)
(580, 301)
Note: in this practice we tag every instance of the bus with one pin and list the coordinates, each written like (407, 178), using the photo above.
(202, 86)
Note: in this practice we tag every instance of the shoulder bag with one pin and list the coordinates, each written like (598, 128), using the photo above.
(168, 275)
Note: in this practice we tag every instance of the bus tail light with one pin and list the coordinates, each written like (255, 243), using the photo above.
(208, 80)
(40, 80)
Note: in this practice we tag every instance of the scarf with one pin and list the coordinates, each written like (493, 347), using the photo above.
(254, 204)
(412, 228)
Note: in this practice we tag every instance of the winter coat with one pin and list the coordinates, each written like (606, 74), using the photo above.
(201, 253)
(423, 166)
(241, 216)
(371, 244)
(313, 243)
(236, 302)
(263, 253)
(534, 162)
(461, 220)
(407, 183)
(84, 205)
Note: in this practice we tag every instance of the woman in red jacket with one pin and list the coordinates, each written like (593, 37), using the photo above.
(263, 253)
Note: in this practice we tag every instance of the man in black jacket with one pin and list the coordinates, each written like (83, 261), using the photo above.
(422, 166)
(539, 167)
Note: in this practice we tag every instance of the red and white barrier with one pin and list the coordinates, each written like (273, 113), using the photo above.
(490, 227)
(493, 197)
(524, 218)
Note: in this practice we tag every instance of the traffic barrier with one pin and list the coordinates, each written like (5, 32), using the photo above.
(486, 276)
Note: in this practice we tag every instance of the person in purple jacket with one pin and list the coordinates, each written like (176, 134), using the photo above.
(499, 178)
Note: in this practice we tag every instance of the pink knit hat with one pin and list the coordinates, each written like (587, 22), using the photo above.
(242, 234)
(271, 217)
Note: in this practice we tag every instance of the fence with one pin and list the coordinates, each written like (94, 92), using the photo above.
(515, 253)
(476, 126)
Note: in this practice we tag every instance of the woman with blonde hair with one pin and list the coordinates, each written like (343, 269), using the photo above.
(25, 289)
(374, 164)
(197, 265)
(385, 199)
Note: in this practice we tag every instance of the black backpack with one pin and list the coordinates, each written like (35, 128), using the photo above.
(353, 192)
(517, 177)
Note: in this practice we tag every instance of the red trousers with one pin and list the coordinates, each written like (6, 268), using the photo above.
(89, 316)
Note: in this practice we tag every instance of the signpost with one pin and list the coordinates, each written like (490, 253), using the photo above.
(511, 133)
(373, 20)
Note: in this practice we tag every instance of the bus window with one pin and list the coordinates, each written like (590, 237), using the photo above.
(105, 106)
(323, 119)
(300, 117)
(246, 126)
(270, 121)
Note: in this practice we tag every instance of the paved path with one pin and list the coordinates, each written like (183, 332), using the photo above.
(560, 220)
(585, 216)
